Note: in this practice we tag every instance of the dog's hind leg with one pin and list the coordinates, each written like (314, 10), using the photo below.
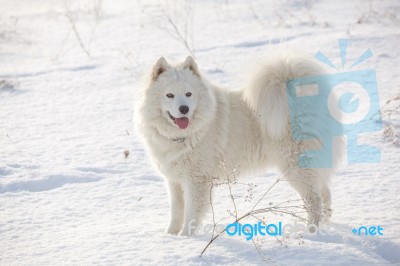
(306, 183)
(327, 200)
(177, 208)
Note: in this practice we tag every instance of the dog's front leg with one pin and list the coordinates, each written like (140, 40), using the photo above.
(176, 205)
(197, 201)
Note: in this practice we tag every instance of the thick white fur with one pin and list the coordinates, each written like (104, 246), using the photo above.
(248, 128)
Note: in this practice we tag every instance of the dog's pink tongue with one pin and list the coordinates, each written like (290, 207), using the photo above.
(182, 122)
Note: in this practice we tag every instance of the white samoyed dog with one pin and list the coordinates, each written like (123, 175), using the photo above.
(189, 126)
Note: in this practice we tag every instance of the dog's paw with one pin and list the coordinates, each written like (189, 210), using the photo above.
(172, 229)
(189, 229)
(183, 232)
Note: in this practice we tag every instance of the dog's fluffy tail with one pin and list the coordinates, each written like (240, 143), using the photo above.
(267, 93)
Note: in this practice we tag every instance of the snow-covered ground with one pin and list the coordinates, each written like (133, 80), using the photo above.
(68, 75)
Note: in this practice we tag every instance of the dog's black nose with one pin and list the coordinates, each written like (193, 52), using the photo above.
(184, 109)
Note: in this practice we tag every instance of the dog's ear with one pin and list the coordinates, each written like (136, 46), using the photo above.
(191, 65)
(160, 67)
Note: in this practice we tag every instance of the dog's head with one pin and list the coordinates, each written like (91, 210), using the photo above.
(177, 101)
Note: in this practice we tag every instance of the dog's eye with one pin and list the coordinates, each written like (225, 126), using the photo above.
(188, 94)
(170, 95)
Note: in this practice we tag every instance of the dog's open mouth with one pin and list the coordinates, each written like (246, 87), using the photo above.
(182, 122)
